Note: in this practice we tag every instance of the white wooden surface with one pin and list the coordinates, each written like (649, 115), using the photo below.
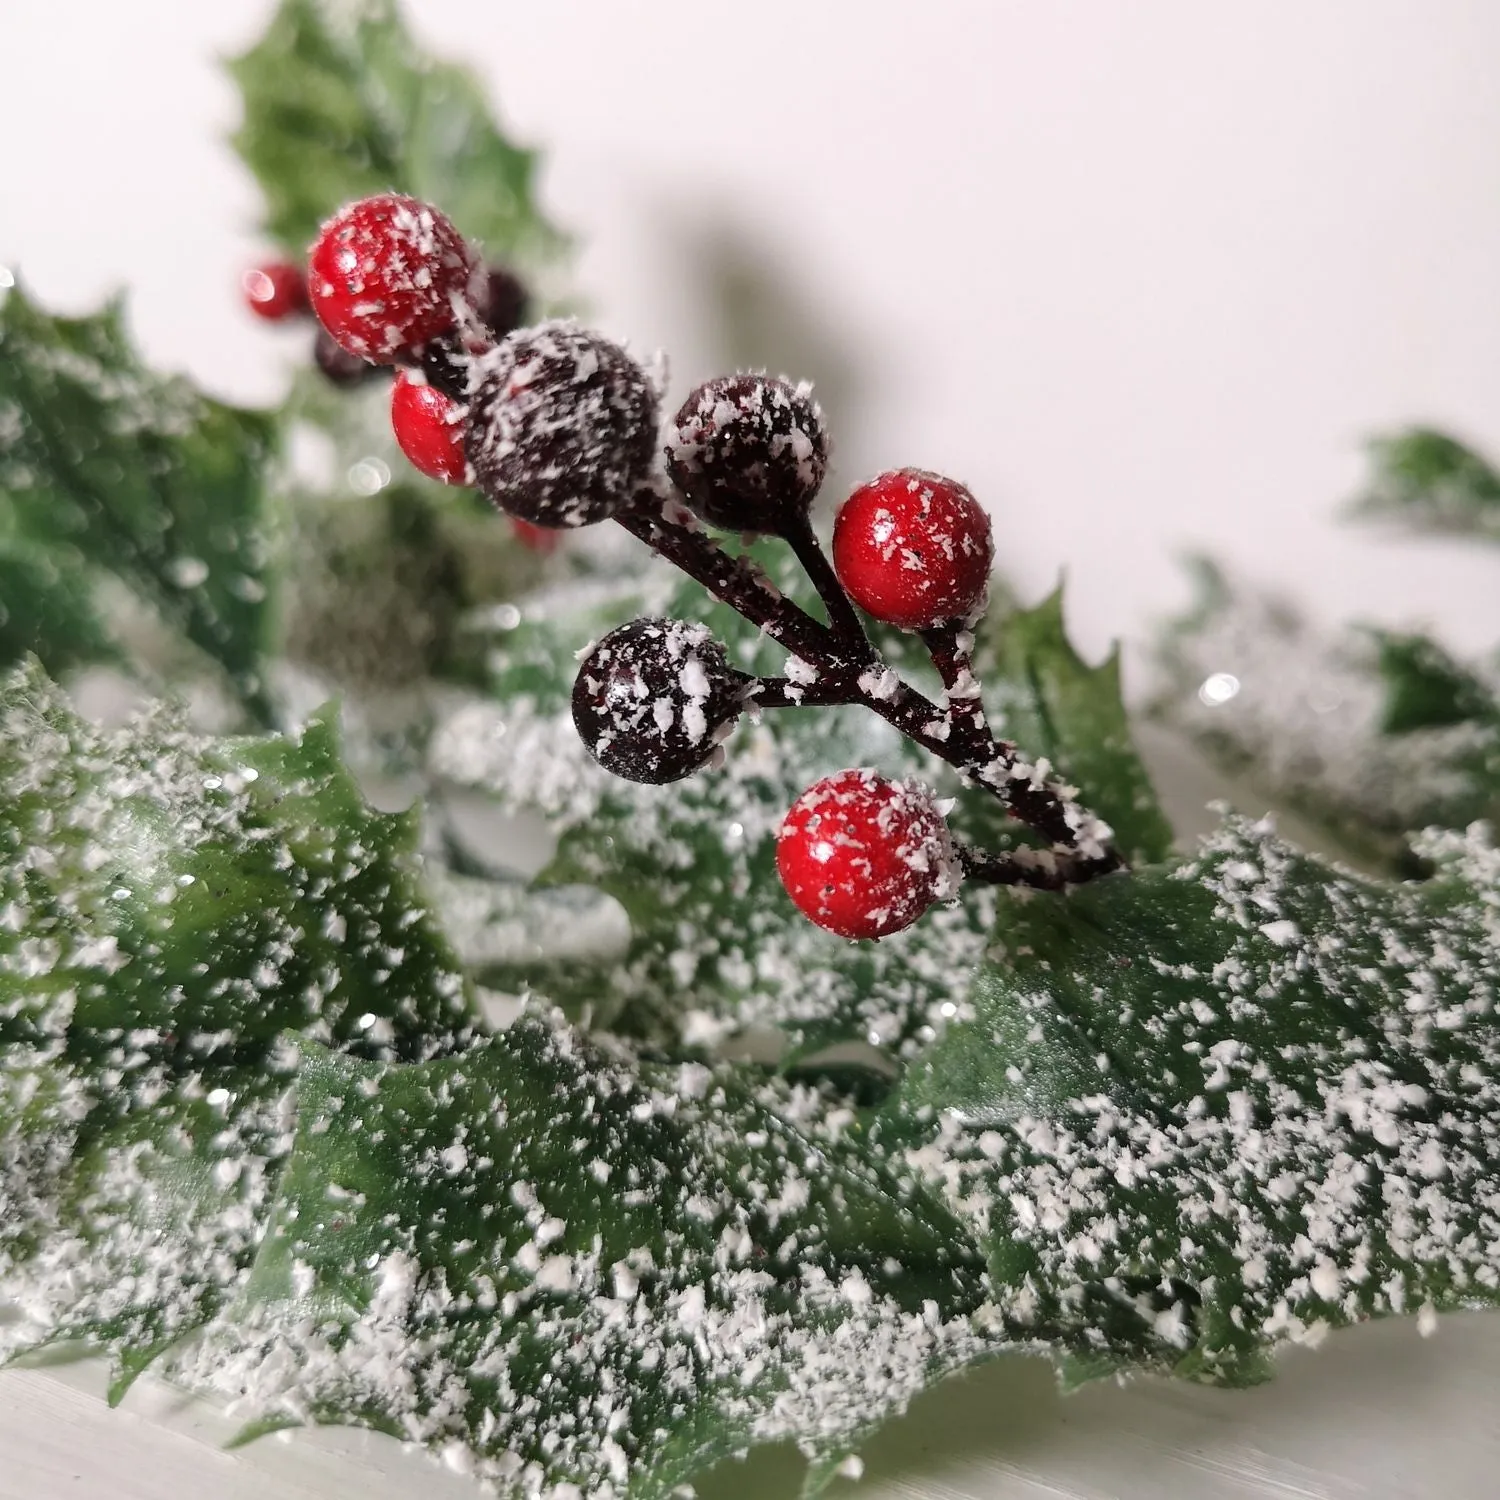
(1378, 1413)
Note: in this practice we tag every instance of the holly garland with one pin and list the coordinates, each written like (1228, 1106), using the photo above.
(1368, 733)
(255, 1132)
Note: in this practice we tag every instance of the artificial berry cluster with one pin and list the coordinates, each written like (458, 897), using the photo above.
(392, 251)
(560, 427)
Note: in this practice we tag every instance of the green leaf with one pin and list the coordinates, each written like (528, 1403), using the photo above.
(1430, 481)
(341, 102)
(379, 591)
(47, 607)
(171, 908)
(1426, 688)
(1367, 734)
(544, 1260)
(108, 469)
(1042, 695)
(1206, 1109)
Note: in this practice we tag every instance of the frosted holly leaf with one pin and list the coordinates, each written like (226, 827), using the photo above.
(1208, 1109)
(341, 103)
(1041, 694)
(107, 469)
(560, 1267)
(47, 606)
(1429, 481)
(1369, 734)
(172, 908)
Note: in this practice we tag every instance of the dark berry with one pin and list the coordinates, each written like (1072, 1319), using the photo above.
(275, 291)
(747, 451)
(562, 425)
(864, 856)
(338, 364)
(503, 302)
(429, 428)
(913, 549)
(446, 362)
(386, 274)
(654, 698)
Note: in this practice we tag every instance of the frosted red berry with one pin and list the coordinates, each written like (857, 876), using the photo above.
(429, 428)
(913, 549)
(386, 274)
(539, 539)
(275, 291)
(864, 856)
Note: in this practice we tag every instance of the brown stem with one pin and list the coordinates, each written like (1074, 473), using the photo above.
(669, 529)
(848, 670)
(951, 646)
(842, 616)
(1042, 869)
(781, 692)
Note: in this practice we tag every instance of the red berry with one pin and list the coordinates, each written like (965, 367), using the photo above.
(542, 539)
(864, 856)
(274, 291)
(913, 549)
(429, 427)
(385, 274)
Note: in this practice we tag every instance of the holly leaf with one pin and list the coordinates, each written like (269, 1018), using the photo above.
(110, 471)
(172, 907)
(1427, 688)
(1431, 482)
(1042, 695)
(341, 102)
(47, 608)
(1206, 1109)
(560, 1267)
(379, 589)
(1368, 734)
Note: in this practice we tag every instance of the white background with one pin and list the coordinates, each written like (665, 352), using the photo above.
(1143, 275)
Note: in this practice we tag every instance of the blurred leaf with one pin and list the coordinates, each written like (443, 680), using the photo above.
(340, 102)
(1431, 482)
(1369, 734)
(1426, 688)
(47, 607)
(108, 468)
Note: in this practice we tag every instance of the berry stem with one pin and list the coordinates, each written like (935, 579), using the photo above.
(670, 530)
(843, 619)
(951, 646)
(781, 692)
(1041, 869)
(846, 669)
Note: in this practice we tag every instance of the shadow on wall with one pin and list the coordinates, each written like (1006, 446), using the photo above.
(752, 313)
